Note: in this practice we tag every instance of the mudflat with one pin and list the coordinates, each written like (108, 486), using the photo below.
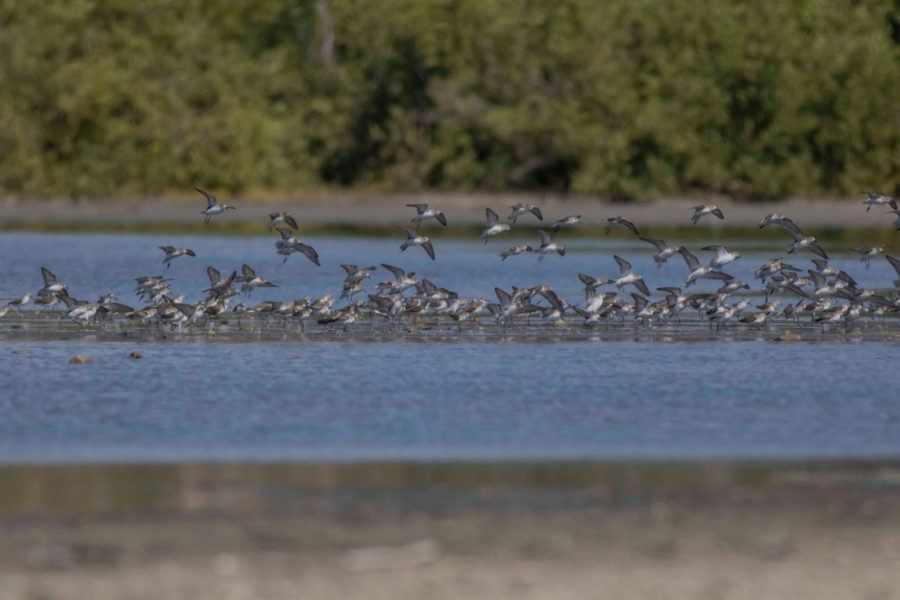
(462, 209)
(421, 530)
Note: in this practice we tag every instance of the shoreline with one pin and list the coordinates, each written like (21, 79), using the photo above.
(397, 530)
(334, 210)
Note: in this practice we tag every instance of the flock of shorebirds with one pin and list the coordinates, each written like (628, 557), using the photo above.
(825, 293)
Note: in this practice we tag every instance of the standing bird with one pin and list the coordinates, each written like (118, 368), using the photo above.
(423, 212)
(414, 239)
(548, 245)
(613, 221)
(282, 217)
(706, 209)
(172, 253)
(212, 206)
(23, 300)
(520, 209)
(494, 226)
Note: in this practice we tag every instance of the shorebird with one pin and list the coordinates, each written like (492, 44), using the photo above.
(423, 212)
(172, 253)
(805, 241)
(613, 221)
(251, 280)
(706, 209)
(515, 250)
(779, 220)
(895, 262)
(494, 226)
(663, 251)
(723, 257)
(4, 310)
(627, 275)
(520, 209)
(414, 239)
(877, 199)
(401, 281)
(19, 302)
(220, 286)
(355, 274)
(869, 252)
(212, 206)
(288, 244)
(896, 222)
(548, 245)
(770, 268)
(51, 285)
(700, 272)
(281, 217)
(569, 221)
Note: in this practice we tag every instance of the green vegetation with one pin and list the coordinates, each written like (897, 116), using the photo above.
(628, 99)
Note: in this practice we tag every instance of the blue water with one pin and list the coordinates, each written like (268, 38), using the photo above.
(487, 399)
(97, 264)
(421, 401)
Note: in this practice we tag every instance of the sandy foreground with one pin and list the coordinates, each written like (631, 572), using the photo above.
(583, 530)
(468, 209)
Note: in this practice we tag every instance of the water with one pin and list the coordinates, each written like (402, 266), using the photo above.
(485, 399)
(97, 264)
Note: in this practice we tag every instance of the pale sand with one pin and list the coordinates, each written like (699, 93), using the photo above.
(405, 531)
(346, 208)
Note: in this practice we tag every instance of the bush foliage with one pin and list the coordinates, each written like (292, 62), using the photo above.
(627, 98)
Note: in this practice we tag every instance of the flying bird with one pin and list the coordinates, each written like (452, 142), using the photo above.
(212, 206)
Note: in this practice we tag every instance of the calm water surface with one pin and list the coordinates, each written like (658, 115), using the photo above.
(346, 400)
(350, 400)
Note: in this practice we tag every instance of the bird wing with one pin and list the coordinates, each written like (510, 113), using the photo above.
(290, 221)
(640, 285)
(503, 296)
(213, 274)
(397, 271)
(691, 260)
(210, 199)
(309, 252)
(629, 225)
(420, 208)
(546, 238)
(817, 249)
(624, 265)
(286, 234)
(350, 269)
(441, 218)
(167, 249)
(895, 262)
(537, 212)
(660, 244)
(429, 249)
(49, 277)
(247, 271)
(492, 218)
